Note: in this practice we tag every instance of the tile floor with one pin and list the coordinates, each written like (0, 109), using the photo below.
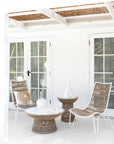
(82, 133)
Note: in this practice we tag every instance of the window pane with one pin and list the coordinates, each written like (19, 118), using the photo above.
(34, 48)
(109, 64)
(42, 48)
(34, 64)
(12, 49)
(34, 80)
(12, 76)
(20, 64)
(111, 101)
(34, 95)
(110, 78)
(12, 64)
(20, 75)
(20, 49)
(42, 93)
(42, 80)
(98, 64)
(42, 64)
(98, 46)
(109, 45)
(98, 78)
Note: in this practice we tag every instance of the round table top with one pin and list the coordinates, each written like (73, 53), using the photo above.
(69, 99)
(48, 111)
(75, 97)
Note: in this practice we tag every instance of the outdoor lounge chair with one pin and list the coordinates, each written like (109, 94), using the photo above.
(21, 96)
(97, 106)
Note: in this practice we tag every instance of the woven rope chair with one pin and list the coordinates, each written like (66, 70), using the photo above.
(20, 86)
(97, 106)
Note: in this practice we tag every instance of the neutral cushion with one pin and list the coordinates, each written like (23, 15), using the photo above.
(23, 97)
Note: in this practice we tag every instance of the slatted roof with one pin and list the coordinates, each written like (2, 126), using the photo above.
(64, 15)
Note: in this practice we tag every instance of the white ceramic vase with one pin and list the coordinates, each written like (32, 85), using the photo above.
(68, 92)
(42, 103)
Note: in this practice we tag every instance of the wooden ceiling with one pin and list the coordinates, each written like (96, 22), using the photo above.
(63, 14)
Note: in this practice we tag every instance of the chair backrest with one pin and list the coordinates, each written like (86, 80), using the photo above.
(18, 86)
(100, 97)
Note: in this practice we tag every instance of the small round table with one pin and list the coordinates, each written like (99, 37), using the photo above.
(44, 119)
(67, 103)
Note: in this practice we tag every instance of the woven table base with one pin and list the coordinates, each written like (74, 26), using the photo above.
(44, 126)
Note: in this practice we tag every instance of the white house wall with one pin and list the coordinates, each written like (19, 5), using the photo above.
(70, 55)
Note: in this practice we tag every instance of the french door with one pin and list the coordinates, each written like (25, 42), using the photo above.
(31, 60)
(102, 63)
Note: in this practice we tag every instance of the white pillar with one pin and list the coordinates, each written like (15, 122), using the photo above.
(4, 84)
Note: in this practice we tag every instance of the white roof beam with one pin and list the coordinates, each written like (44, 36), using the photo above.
(17, 23)
(53, 15)
(88, 16)
(110, 9)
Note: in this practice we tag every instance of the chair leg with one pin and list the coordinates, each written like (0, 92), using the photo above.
(108, 121)
(96, 125)
(16, 115)
(71, 124)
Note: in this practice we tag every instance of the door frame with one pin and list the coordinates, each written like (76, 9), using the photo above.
(109, 112)
(27, 41)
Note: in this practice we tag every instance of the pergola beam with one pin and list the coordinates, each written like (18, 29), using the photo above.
(53, 15)
(110, 9)
(17, 23)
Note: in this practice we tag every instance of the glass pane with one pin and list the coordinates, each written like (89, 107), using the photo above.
(109, 45)
(20, 64)
(20, 76)
(12, 49)
(98, 46)
(34, 95)
(98, 78)
(34, 80)
(110, 78)
(111, 101)
(12, 64)
(42, 93)
(42, 64)
(109, 64)
(98, 64)
(34, 64)
(34, 48)
(42, 48)
(20, 49)
(12, 76)
(42, 80)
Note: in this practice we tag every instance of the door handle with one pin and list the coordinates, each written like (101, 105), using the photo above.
(28, 73)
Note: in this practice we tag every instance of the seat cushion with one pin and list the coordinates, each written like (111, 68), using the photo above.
(82, 113)
(27, 105)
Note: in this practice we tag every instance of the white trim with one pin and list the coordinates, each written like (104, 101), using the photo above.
(53, 15)
(110, 9)
(87, 16)
(17, 23)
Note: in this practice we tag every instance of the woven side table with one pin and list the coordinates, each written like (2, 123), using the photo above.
(67, 103)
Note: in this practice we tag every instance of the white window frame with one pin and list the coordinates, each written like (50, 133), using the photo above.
(27, 41)
(109, 112)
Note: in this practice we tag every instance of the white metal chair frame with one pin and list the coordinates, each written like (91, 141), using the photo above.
(15, 103)
(95, 118)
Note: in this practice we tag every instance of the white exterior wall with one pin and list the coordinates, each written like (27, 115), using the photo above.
(70, 56)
